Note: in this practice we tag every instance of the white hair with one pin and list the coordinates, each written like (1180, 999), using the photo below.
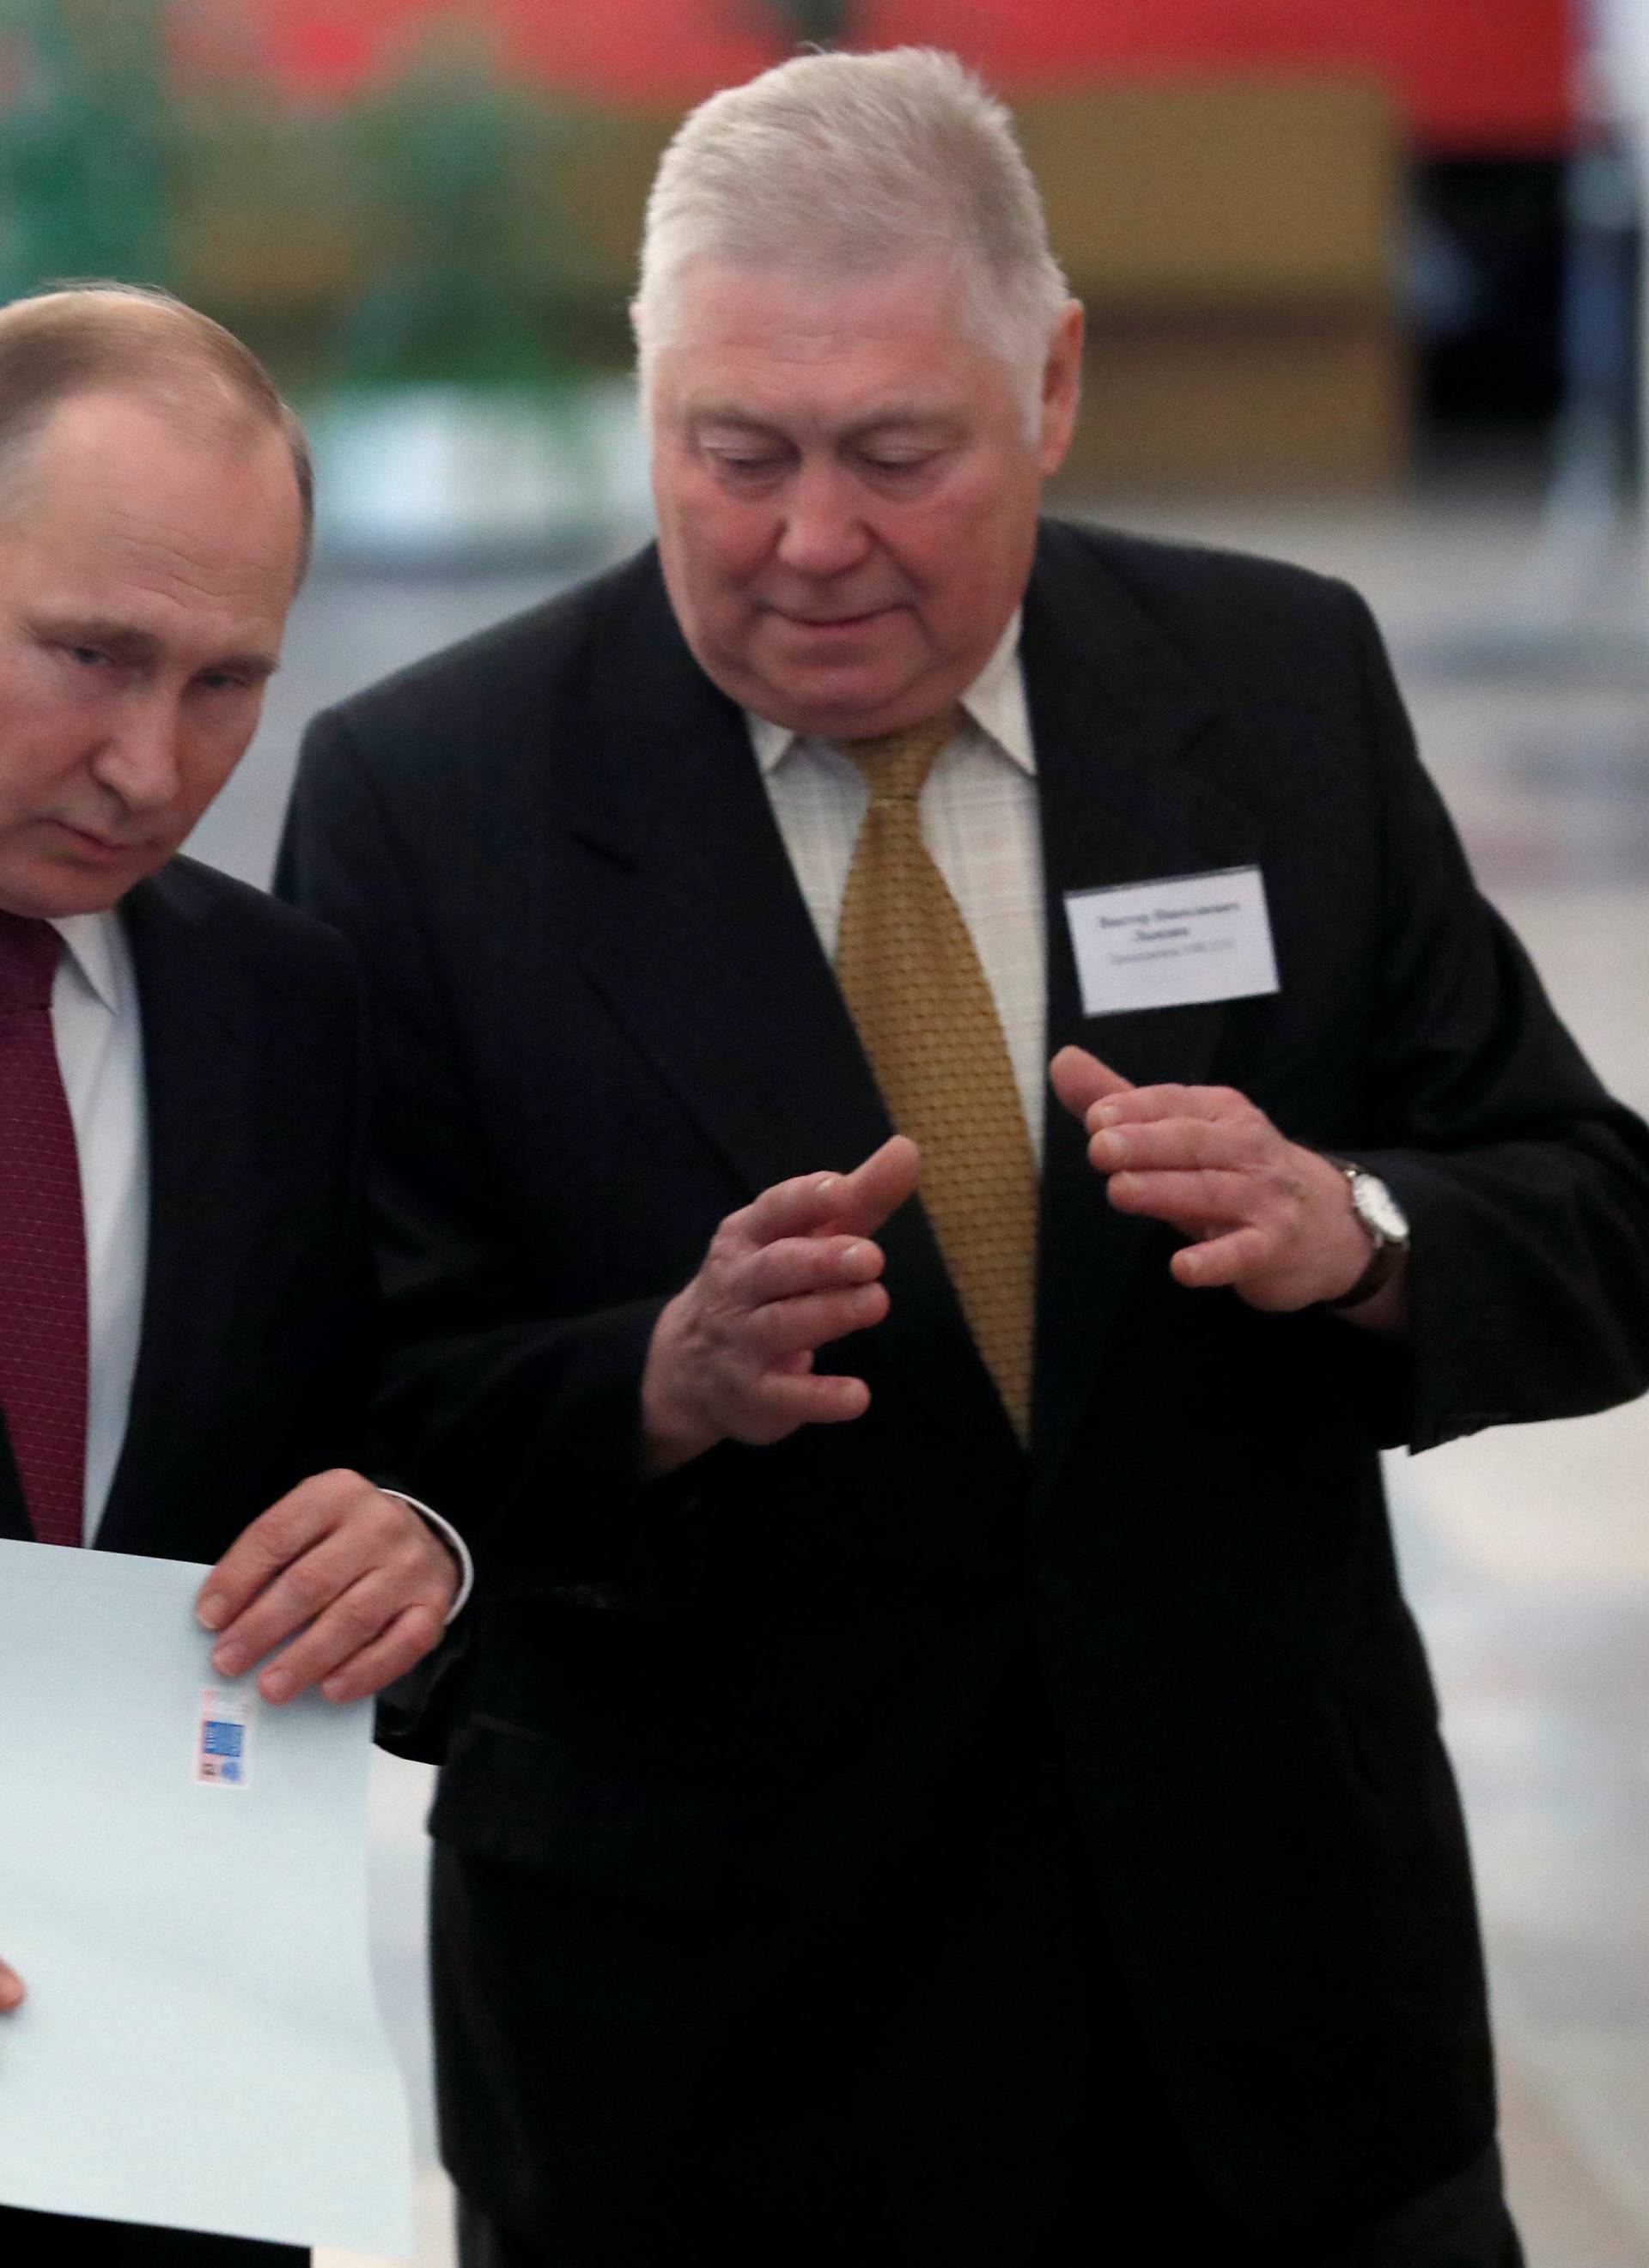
(837, 167)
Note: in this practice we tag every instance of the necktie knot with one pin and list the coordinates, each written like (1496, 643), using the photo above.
(897, 765)
(29, 954)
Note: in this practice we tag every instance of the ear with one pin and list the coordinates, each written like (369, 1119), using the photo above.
(1062, 388)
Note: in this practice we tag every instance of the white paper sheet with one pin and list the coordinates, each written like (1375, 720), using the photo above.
(200, 2047)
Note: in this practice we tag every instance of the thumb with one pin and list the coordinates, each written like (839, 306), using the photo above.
(876, 1187)
(1081, 1080)
(11, 1988)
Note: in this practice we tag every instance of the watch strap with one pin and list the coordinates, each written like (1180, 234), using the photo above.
(1383, 1264)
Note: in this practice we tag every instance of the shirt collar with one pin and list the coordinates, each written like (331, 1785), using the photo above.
(95, 948)
(994, 703)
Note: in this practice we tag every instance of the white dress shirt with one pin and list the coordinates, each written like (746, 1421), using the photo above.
(97, 1025)
(99, 1032)
(983, 829)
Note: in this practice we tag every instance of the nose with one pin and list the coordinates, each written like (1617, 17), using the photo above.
(138, 761)
(824, 531)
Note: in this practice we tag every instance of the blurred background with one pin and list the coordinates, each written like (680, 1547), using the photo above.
(1363, 279)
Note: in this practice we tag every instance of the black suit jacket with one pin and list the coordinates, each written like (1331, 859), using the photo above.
(734, 1755)
(254, 1366)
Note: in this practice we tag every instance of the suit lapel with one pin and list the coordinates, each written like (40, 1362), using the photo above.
(711, 963)
(1115, 712)
(188, 1031)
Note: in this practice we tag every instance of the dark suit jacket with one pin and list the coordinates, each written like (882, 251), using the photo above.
(736, 1755)
(254, 1367)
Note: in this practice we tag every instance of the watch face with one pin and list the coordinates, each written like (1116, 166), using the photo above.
(1380, 1210)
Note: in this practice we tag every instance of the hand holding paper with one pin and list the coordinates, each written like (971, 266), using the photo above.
(11, 1988)
(1270, 1219)
(358, 1574)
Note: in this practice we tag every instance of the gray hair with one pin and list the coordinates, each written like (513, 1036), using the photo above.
(846, 165)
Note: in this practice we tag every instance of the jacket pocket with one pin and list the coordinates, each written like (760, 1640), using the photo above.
(522, 1798)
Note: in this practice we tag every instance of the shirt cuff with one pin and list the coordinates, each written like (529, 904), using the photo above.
(455, 1543)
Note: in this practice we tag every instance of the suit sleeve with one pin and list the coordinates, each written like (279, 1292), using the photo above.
(1526, 1185)
(523, 1426)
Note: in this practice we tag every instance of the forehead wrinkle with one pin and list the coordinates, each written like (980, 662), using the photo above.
(894, 411)
(779, 308)
(171, 565)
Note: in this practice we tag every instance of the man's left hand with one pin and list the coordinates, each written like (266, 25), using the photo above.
(1268, 1219)
(353, 1577)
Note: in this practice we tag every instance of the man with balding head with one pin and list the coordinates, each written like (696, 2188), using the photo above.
(186, 1340)
(943, 1772)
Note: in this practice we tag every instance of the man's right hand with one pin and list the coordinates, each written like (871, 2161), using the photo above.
(10, 1989)
(731, 1356)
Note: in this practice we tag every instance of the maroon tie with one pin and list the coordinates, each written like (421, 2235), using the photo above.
(42, 1242)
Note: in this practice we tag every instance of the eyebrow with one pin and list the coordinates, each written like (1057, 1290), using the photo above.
(134, 648)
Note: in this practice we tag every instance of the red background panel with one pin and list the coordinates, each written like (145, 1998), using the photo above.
(1468, 74)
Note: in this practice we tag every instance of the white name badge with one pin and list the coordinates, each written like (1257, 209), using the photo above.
(1163, 945)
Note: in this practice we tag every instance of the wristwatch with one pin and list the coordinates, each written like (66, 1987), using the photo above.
(1388, 1228)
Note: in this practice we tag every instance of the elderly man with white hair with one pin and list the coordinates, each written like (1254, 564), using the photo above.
(942, 1772)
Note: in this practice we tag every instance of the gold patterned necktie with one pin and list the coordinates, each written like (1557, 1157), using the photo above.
(927, 1020)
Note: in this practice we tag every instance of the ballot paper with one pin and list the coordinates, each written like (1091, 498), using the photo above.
(183, 1889)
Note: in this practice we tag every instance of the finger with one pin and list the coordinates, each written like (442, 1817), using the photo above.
(395, 1650)
(877, 1187)
(298, 1597)
(1081, 1080)
(794, 1208)
(1222, 1261)
(271, 1543)
(12, 1990)
(1192, 1201)
(1179, 1145)
(797, 1265)
(353, 1622)
(790, 1327)
(785, 1401)
(1144, 1103)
